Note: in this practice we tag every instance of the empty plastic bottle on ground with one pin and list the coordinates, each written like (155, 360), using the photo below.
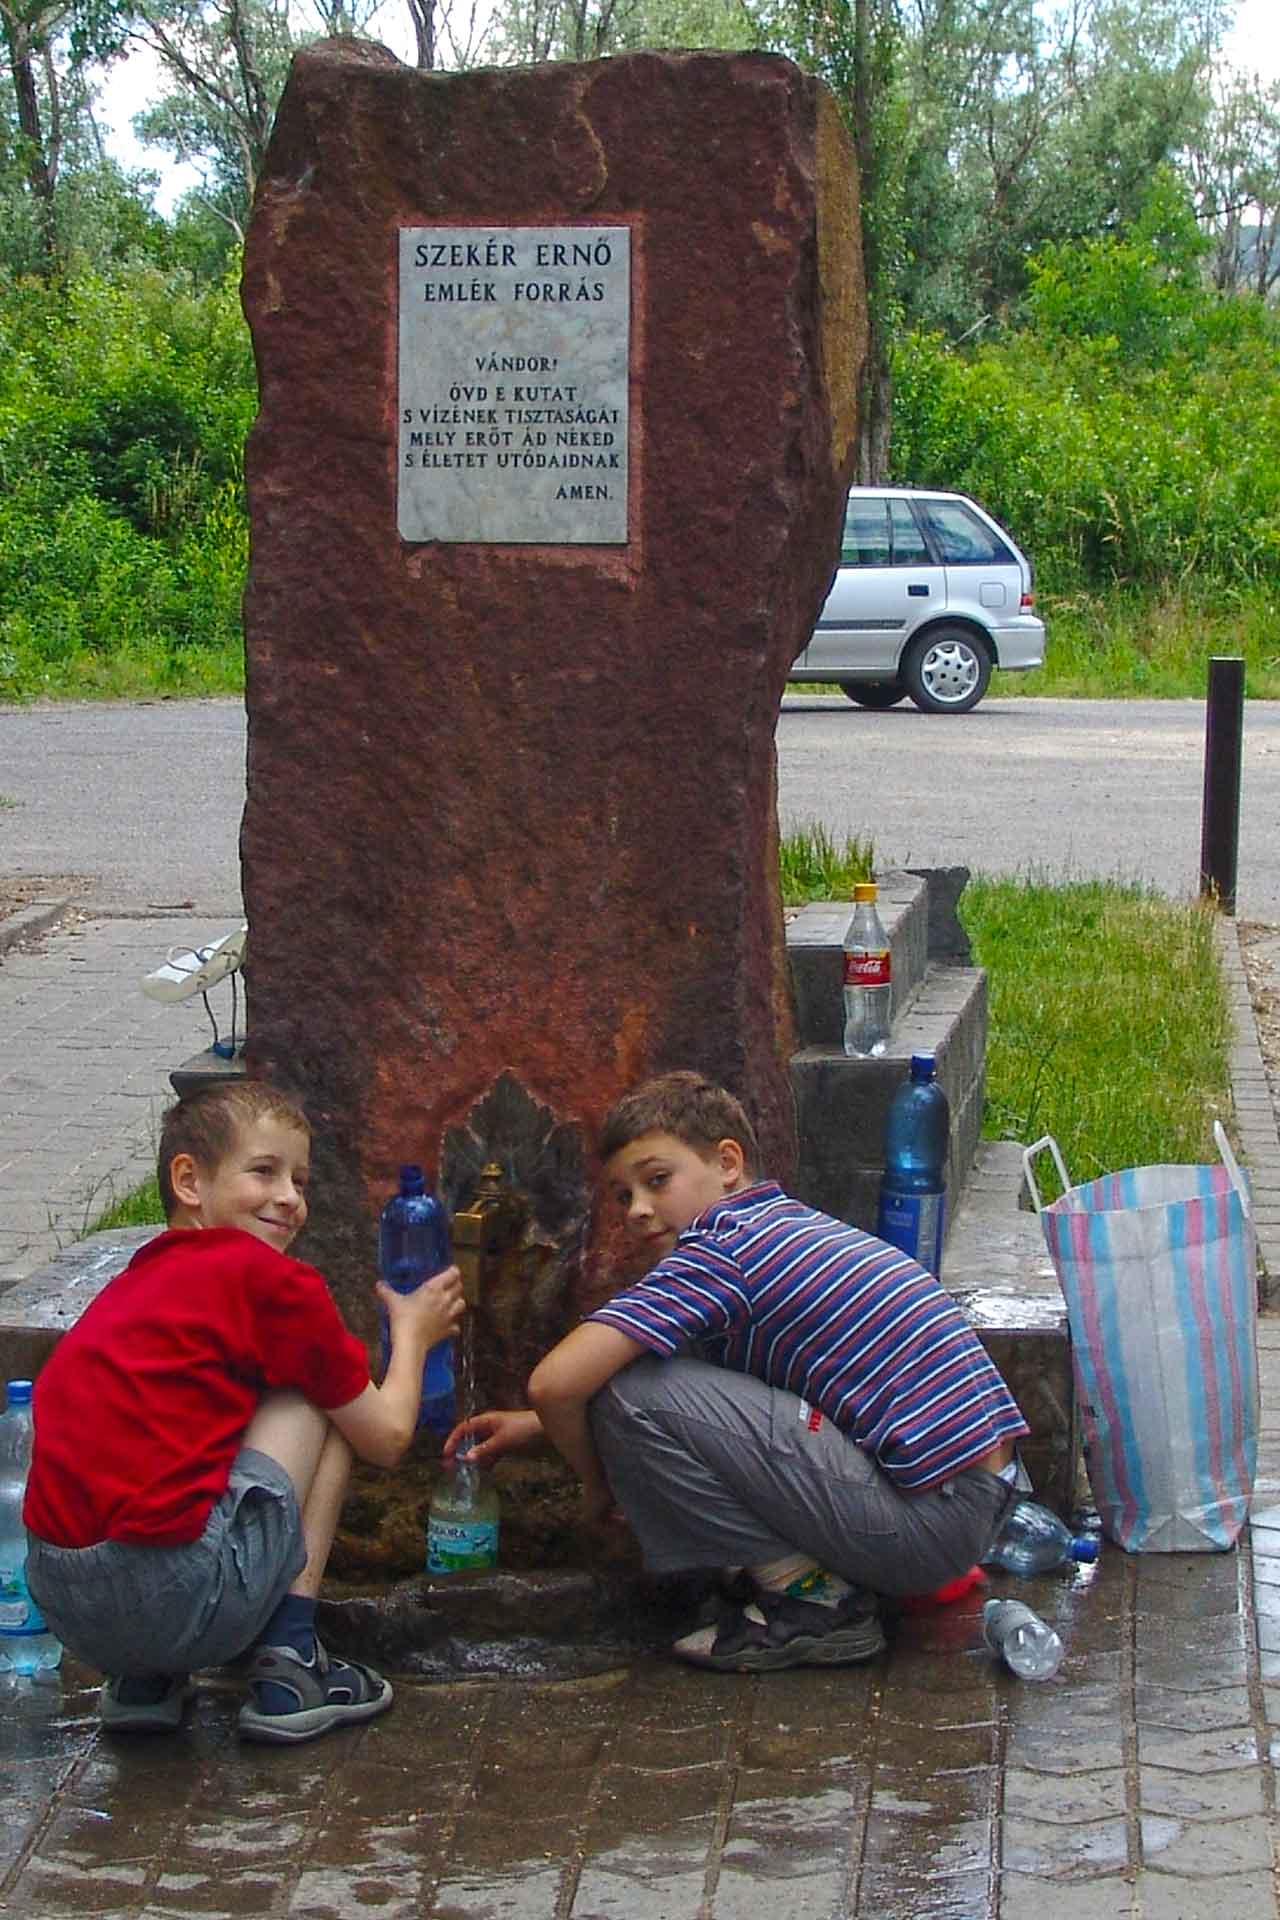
(1032, 1649)
(1033, 1540)
(867, 988)
(26, 1645)
(462, 1524)
(413, 1243)
(913, 1187)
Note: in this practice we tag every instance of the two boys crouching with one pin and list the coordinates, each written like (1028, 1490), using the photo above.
(780, 1396)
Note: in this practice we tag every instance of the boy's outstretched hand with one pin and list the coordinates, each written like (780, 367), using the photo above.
(433, 1311)
(496, 1431)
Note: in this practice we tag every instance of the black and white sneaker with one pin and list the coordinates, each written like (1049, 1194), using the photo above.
(775, 1631)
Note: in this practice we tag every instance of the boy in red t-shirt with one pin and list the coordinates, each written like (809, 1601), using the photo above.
(194, 1433)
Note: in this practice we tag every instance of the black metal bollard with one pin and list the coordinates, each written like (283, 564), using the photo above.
(1220, 819)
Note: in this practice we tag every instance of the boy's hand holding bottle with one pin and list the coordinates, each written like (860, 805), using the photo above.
(496, 1431)
(431, 1312)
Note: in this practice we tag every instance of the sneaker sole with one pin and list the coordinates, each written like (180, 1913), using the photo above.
(845, 1649)
(286, 1729)
(164, 1717)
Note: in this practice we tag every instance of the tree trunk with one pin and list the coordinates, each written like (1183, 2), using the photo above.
(41, 173)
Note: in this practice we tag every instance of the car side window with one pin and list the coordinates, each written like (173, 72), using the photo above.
(963, 539)
(909, 549)
(866, 534)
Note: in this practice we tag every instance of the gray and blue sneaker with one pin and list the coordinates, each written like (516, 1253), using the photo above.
(292, 1698)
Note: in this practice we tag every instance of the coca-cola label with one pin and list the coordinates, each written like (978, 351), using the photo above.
(866, 967)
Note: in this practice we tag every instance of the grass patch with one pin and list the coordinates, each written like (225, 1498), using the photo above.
(1109, 1022)
(140, 1208)
(815, 866)
(1131, 643)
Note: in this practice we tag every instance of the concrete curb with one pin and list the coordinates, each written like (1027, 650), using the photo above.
(28, 921)
(1255, 1114)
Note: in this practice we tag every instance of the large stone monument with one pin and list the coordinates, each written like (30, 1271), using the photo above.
(557, 377)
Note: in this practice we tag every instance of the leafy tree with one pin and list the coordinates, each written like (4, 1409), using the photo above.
(1234, 168)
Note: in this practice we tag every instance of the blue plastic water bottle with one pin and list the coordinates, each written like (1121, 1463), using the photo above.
(913, 1187)
(413, 1243)
(26, 1644)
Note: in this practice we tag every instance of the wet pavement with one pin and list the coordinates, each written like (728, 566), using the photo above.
(927, 1785)
(930, 1783)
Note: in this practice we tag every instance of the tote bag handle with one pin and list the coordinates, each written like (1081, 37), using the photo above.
(1232, 1166)
(1046, 1143)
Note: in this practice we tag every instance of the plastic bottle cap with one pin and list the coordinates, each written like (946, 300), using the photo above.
(923, 1066)
(412, 1179)
(18, 1393)
(864, 890)
(1084, 1547)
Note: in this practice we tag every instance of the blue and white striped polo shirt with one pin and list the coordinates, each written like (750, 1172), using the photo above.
(767, 1286)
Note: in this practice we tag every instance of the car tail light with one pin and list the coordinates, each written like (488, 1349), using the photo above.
(1027, 603)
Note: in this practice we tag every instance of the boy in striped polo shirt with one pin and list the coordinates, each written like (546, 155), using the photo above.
(780, 1393)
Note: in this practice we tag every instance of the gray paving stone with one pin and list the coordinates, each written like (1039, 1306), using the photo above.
(1205, 1848)
(1238, 1896)
(1025, 1896)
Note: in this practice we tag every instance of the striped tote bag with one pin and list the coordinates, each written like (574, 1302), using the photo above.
(1158, 1268)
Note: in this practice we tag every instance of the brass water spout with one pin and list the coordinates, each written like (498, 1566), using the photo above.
(483, 1231)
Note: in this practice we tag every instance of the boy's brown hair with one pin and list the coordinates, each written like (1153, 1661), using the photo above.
(694, 1110)
(206, 1125)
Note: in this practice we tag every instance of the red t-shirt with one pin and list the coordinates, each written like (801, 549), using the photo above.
(142, 1406)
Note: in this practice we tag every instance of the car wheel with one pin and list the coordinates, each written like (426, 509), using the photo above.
(946, 670)
(875, 693)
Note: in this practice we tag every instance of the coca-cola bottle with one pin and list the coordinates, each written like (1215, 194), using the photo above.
(867, 989)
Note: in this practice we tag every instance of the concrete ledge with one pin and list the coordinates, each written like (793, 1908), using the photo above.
(841, 1104)
(37, 1311)
(998, 1268)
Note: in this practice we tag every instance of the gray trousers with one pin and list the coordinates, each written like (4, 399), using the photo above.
(713, 1468)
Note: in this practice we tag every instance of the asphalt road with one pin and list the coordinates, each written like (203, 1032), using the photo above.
(144, 800)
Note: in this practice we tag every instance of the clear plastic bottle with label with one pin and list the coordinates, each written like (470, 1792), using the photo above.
(463, 1522)
(868, 991)
(26, 1645)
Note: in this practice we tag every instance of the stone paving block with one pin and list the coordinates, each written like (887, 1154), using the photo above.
(838, 1749)
(1205, 1848)
(1172, 1707)
(52, 1888)
(493, 1844)
(1044, 1750)
(617, 1888)
(1024, 1896)
(1238, 1896)
(1081, 1850)
(327, 1893)
(812, 1894)
(916, 1706)
(1201, 1796)
(1211, 1752)
(888, 1894)
(179, 1891)
(664, 1750)
(1049, 1797)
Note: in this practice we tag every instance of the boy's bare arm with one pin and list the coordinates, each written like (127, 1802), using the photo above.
(560, 1389)
(380, 1422)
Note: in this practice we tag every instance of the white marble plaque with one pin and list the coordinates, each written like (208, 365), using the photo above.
(514, 358)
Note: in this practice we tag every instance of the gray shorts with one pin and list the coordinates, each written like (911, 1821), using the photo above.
(714, 1468)
(129, 1609)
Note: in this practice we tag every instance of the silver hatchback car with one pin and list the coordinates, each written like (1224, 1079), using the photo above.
(930, 595)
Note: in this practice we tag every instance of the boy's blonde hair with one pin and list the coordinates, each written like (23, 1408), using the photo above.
(206, 1124)
(694, 1110)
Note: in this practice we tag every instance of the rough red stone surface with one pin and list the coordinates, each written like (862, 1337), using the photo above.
(511, 810)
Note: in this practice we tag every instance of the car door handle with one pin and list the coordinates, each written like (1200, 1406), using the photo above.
(918, 592)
